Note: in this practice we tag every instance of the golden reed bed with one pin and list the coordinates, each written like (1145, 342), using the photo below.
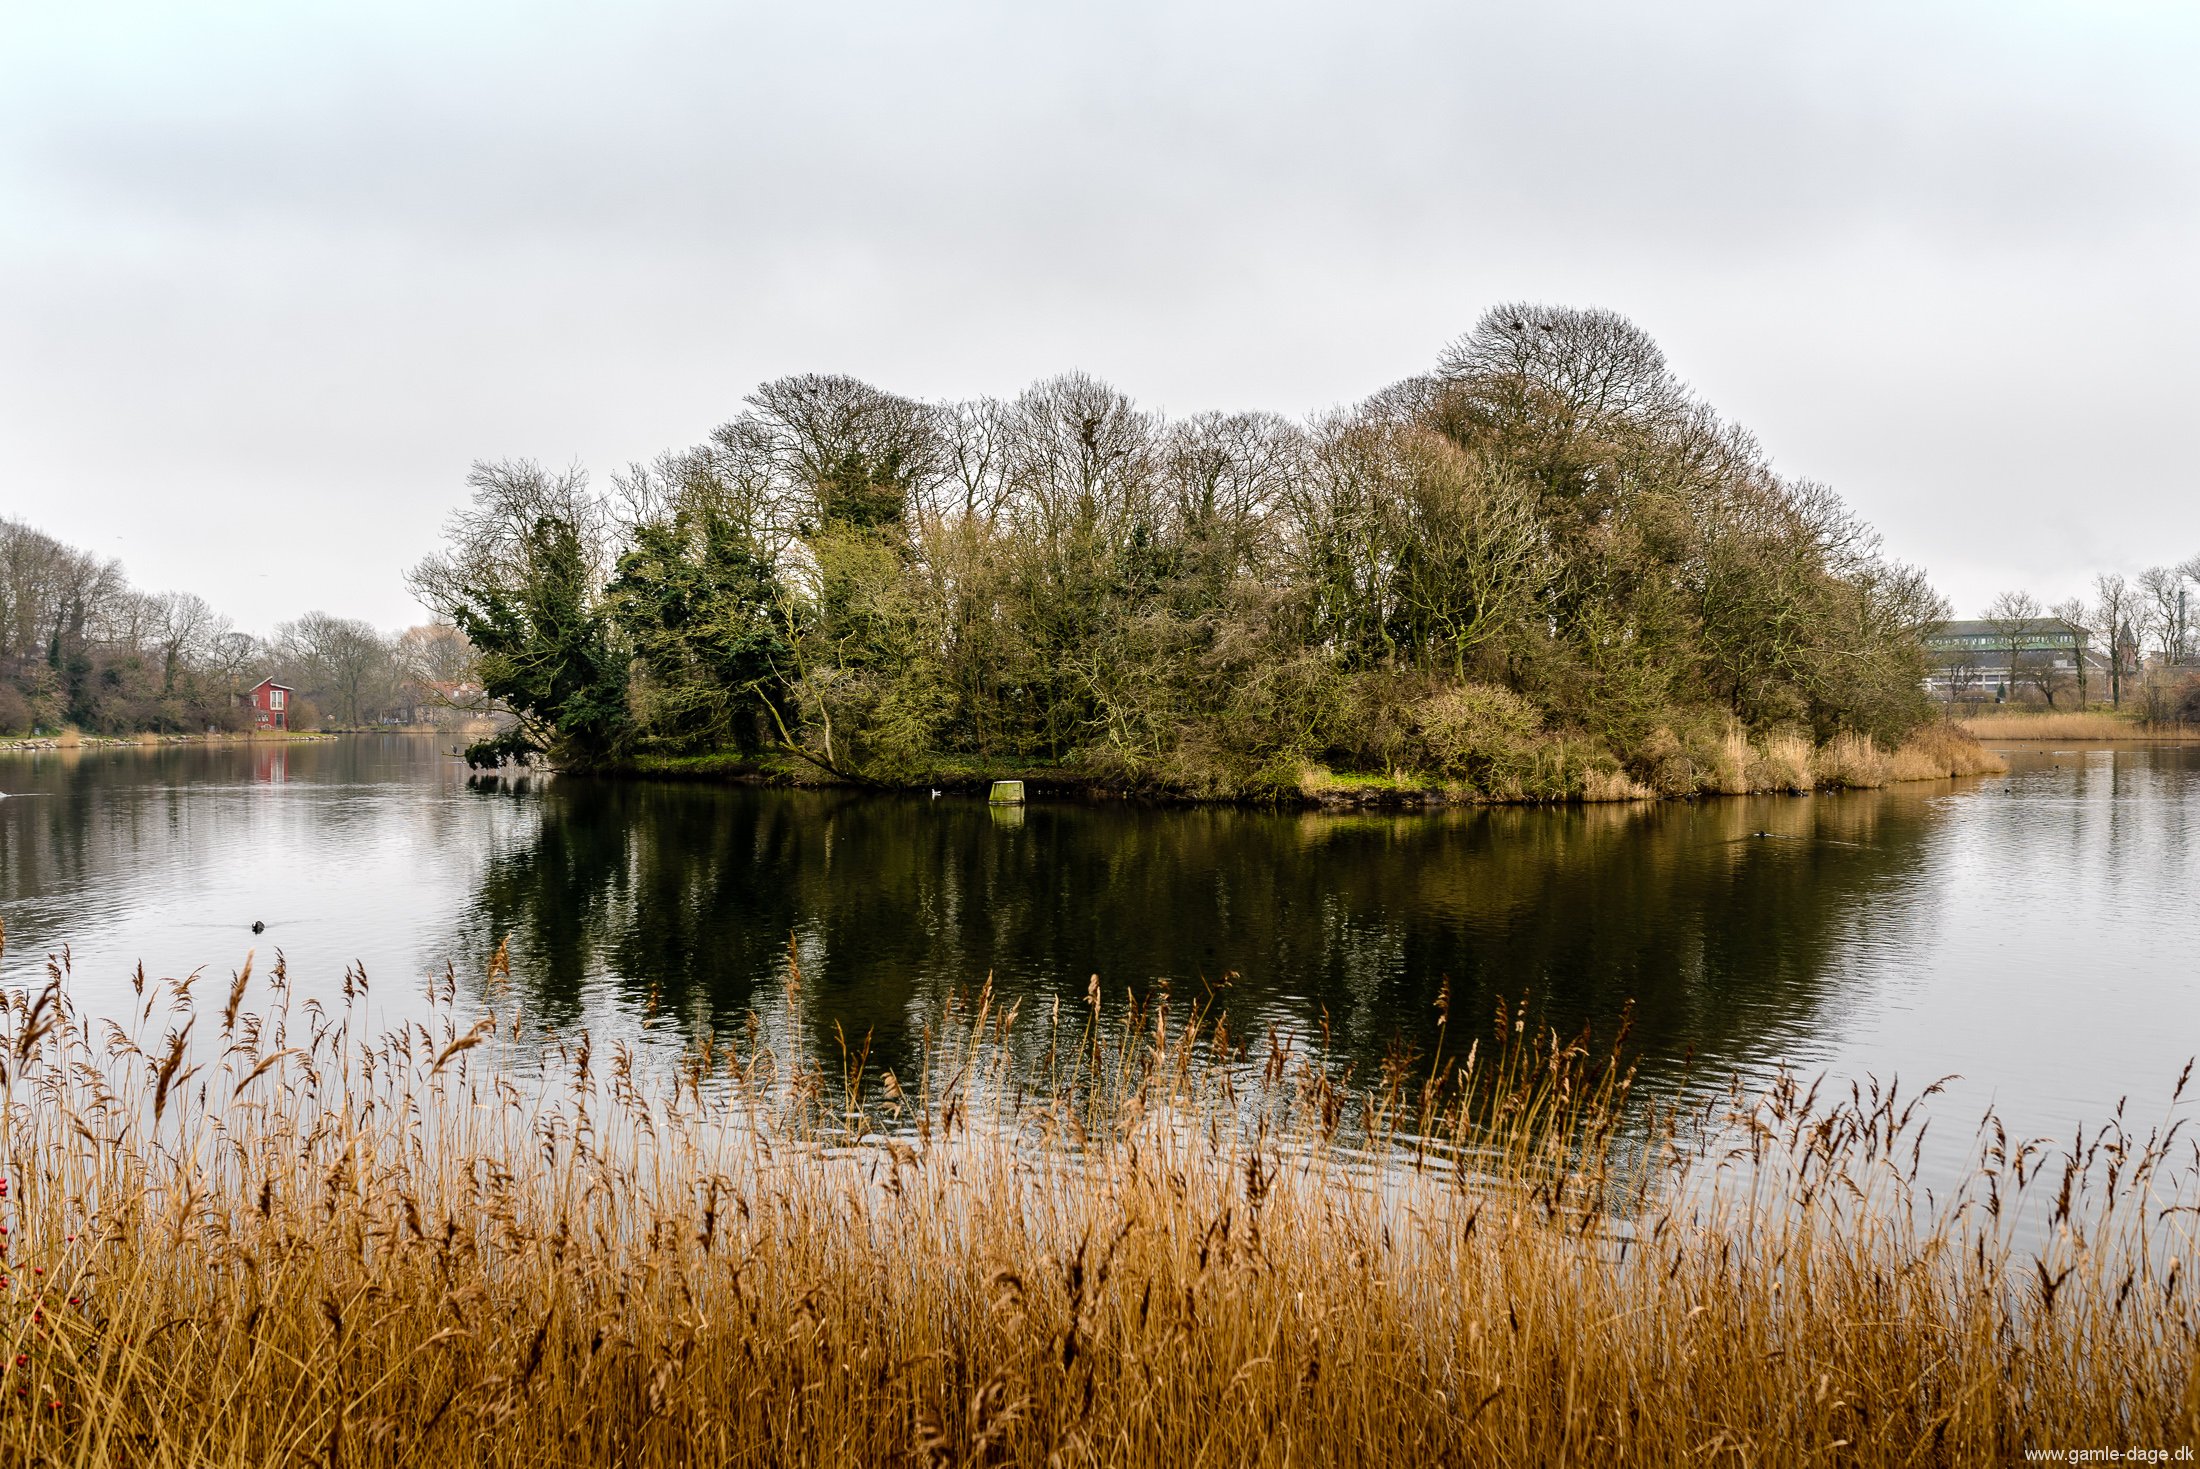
(244, 1231)
(2078, 728)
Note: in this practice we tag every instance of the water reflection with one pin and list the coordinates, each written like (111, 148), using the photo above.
(1718, 919)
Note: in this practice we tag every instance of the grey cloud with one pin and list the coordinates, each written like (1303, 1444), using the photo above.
(1934, 253)
(1719, 126)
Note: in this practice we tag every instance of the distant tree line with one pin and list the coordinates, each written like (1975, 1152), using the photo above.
(1544, 558)
(81, 648)
(2140, 646)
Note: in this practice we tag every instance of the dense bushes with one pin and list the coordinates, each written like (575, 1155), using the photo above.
(1543, 570)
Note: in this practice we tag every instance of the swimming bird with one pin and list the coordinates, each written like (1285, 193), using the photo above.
(935, 793)
(258, 927)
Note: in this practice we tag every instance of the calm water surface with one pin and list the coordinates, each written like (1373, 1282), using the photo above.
(2039, 935)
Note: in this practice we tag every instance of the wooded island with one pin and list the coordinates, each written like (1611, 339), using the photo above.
(1543, 571)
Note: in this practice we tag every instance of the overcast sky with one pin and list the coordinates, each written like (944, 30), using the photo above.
(271, 275)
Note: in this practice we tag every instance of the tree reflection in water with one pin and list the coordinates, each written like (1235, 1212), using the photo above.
(1722, 920)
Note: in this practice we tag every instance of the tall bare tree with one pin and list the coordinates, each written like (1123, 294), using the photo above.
(2114, 604)
(2075, 616)
(2014, 619)
(342, 661)
(2162, 594)
(187, 627)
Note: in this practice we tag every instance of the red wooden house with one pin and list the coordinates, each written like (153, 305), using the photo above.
(270, 704)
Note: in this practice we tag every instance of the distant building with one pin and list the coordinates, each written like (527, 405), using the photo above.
(1981, 660)
(269, 702)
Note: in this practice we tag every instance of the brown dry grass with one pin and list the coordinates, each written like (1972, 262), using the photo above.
(1782, 762)
(1787, 761)
(1612, 785)
(247, 1233)
(1729, 775)
(2076, 727)
(1778, 762)
(1851, 760)
(1934, 752)
(1941, 751)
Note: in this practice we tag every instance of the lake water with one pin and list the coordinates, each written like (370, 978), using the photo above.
(2038, 934)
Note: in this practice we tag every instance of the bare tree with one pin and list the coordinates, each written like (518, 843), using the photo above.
(1962, 672)
(2162, 602)
(1222, 478)
(186, 627)
(435, 663)
(1575, 370)
(341, 659)
(2014, 618)
(2114, 603)
(2188, 571)
(2074, 615)
(231, 654)
(52, 596)
(486, 543)
(434, 652)
(1081, 461)
(974, 481)
(847, 452)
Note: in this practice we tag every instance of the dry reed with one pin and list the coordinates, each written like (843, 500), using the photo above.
(2077, 727)
(1782, 762)
(1851, 760)
(1612, 785)
(247, 1233)
(1787, 762)
(1941, 751)
(1729, 773)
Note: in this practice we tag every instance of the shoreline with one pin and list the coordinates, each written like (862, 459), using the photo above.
(1839, 766)
(1090, 790)
(29, 743)
(149, 738)
(1319, 790)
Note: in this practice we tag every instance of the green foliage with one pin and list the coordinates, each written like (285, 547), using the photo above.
(698, 604)
(546, 652)
(505, 747)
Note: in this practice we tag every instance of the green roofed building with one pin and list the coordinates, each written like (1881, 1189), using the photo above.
(1983, 659)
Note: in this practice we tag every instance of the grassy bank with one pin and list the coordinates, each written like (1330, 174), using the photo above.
(244, 1232)
(2092, 726)
(1538, 770)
